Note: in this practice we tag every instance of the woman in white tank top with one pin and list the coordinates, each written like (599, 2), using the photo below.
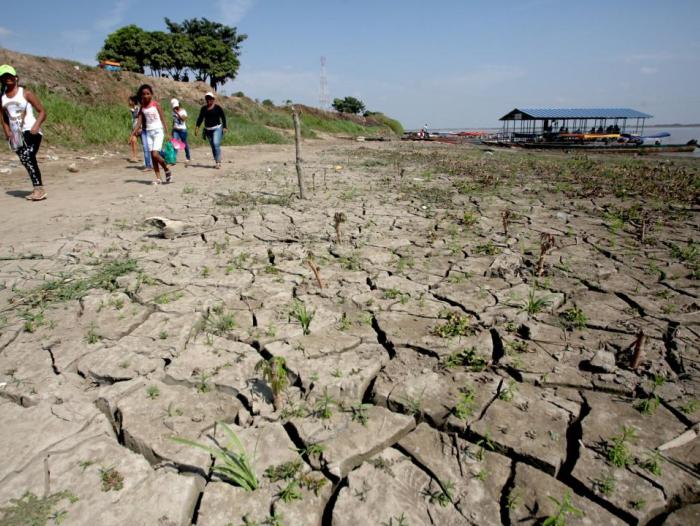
(152, 120)
(22, 129)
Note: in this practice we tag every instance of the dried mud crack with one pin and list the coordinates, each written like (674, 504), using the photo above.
(395, 349)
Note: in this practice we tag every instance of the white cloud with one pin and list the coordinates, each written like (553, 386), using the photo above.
(233, 11)
(648, 70)
(114, 17)
(4, 32)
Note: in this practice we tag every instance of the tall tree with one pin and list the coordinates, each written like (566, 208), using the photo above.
(128, 45)
(216, 48)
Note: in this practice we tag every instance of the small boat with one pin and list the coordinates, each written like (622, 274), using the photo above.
(629, 147)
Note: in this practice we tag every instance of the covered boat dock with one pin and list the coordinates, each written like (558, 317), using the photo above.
(546, 123)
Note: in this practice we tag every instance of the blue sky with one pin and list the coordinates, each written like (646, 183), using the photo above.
(448, 63)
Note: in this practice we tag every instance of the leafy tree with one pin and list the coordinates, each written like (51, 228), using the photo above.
(209, 49)
(348, 105)
(128, 45)
(159, 57)
(216, 48)
(181, 51)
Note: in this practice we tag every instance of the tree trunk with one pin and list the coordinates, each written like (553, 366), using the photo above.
(297, 144)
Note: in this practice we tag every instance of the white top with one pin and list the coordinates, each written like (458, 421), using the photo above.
(178, 123)
(152, 116)
(19, 111)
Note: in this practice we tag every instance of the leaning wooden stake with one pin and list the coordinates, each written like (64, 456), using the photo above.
(316, 272)
(638, 348)
(297, 143)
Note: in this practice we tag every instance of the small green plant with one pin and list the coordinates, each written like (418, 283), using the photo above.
(232, 461)
(648, 406)
(465, 405)
(638, 504)
(33, 320)
(690, 406)
(487, 249)
(203, 385)
(573, 318)
(469, 218)
(274, 372)
(152, 392)
(514, 499)
(303, 315)
(312, 450)
(414, 404)
(532, 304)
(168, 297)
(506, 394)
(397, 520)
(359, 413)
(442, 496)
(286, 471)
(455, 325)
(205, 272)
(163, 335)
(605, 485)
(345, 322)
(219, 322)
(324, 406)
(188, 189)
(92, 336)
(465, 358)
(312, 483)
(482, 475)
(616, 449)
(483, 444)
(564, 508)
(30, 510)
(290, 492)
(653, 462)
(111, 479)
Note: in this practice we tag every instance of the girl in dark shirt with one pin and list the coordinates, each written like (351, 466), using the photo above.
(214, 119)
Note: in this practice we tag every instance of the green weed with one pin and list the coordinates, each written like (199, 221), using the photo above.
(232, 461)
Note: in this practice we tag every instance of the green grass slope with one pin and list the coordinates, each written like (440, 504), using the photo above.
(88, 107)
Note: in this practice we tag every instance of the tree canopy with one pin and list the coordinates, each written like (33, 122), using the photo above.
(208, 49)
(348, 105)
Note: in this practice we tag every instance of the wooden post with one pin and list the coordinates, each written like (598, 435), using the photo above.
(297, 143)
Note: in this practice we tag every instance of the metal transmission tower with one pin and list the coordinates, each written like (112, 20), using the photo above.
(324, 97)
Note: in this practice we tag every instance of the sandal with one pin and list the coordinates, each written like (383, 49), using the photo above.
(37, 196)
(168, 177)
(157, 182)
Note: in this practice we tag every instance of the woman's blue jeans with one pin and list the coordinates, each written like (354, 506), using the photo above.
(182, 135)
(146, 154)
(215, 137)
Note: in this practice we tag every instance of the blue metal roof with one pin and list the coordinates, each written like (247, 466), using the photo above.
(576, 113)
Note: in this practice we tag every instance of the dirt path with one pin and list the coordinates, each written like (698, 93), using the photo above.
(447, 372)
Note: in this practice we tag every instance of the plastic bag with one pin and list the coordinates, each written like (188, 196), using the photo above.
(169, 153)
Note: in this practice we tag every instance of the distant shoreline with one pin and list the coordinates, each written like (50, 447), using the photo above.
(673, 125)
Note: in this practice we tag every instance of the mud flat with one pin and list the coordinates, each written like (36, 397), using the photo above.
(500, 338)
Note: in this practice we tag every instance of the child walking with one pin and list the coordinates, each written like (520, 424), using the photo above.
(22, 129)
(180, 126)
(152, 120)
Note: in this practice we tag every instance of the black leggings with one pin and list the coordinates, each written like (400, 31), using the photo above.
(27, 156)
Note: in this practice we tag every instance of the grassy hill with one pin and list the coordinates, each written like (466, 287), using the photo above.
(88, 107)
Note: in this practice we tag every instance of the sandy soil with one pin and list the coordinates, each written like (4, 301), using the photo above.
(450, 373)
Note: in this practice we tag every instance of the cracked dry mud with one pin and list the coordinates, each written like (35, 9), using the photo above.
(460, 386)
